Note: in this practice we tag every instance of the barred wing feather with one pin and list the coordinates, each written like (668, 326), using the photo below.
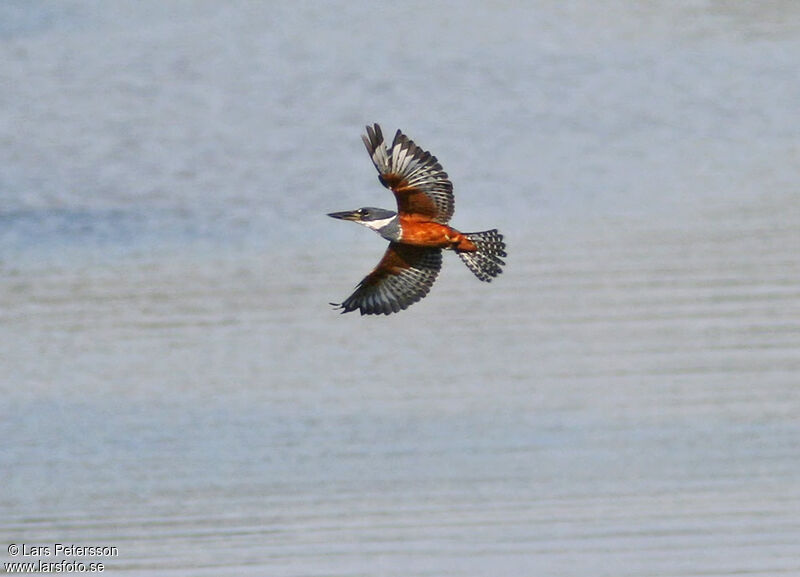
(421, 187)
(404, 275)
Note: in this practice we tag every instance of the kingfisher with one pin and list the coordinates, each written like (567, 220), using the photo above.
(417, 232)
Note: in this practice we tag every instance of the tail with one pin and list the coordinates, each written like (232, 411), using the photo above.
(485, 262)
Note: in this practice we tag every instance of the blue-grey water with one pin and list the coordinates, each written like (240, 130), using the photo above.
(623, 401)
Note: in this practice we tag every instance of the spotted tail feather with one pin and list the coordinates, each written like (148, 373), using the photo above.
(486, 262)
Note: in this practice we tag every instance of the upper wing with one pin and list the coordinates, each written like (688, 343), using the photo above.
(404, 275)
(414, 175)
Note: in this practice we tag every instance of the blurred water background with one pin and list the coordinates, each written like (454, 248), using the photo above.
(623, 401)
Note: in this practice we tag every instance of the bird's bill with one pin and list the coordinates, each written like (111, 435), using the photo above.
(346, 215)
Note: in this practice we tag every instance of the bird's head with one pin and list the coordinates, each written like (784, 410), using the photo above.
(369, 216)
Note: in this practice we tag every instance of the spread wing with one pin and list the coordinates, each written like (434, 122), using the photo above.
(420, 186)
(404, 275)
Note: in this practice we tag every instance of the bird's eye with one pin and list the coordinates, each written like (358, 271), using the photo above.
(364, 212)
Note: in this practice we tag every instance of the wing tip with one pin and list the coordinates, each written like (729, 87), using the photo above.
(337, 306)
(384, 309)
(374, 133)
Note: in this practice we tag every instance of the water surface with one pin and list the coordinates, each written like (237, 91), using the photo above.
(622, 401)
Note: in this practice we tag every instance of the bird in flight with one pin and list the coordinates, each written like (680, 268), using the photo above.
(417, 232)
